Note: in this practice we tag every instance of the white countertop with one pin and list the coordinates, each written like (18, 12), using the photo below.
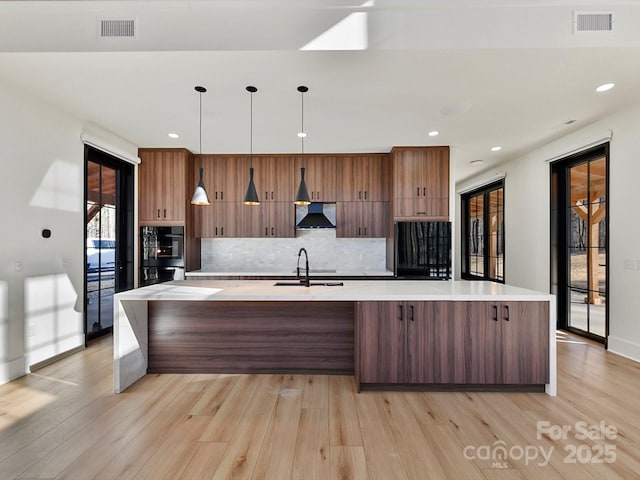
(291, 273)
(353, 290)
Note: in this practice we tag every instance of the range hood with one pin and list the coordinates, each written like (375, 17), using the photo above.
(317, 216)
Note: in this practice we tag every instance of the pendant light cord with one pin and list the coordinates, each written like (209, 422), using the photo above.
(251, 132)
(302, 124)
(200, 129)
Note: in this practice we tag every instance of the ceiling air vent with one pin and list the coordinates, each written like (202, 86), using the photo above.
(593, 22)
(117, 28)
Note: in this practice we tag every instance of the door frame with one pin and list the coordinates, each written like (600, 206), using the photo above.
(125, 231)
(560, 229)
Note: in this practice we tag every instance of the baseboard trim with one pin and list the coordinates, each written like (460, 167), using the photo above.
(54, 359)
(624, 348)
(12, 370)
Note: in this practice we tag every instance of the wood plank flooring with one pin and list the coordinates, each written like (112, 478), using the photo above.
(64, 422)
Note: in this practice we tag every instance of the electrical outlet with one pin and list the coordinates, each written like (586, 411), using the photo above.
(18, 265)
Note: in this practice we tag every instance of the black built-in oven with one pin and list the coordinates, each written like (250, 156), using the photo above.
(161, 254)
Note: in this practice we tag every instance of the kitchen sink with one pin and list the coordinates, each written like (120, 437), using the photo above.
(311, 284)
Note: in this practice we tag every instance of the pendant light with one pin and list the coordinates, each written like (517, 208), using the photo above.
(251, 197)
(302, 195)
(200, 196)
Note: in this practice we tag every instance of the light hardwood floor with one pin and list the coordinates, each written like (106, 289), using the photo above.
(64, 422)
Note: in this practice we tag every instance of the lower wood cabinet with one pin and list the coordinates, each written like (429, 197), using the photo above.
(508, 342)
(452, 343)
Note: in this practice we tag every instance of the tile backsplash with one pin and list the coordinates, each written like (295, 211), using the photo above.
(326, 252)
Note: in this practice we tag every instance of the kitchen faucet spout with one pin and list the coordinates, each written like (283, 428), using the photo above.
(306, 267)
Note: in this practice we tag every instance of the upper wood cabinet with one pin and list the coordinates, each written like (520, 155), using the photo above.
(225, 176)
(273, 177)
(163, 176)
(363, 178)
(420, 182)
(269, 219)
(320, 177)
(362, 219)
(220, 219)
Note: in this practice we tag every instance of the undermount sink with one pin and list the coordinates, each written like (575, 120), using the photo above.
(311, 284)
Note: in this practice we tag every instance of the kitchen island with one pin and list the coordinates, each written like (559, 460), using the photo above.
(388, 333)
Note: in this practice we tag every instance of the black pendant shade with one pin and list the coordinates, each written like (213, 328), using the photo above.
(302, 195)
(251, 197)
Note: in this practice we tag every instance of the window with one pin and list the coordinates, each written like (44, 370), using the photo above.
(483, 233)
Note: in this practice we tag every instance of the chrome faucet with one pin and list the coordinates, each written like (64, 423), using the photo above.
(306, 267)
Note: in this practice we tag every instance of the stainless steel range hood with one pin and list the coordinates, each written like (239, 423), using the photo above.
(317, 215)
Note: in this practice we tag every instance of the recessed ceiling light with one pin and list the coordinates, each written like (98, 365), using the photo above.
(477, 162)
(496, 149)
(302, 134)
(174, 135)
(433, 133)
(605, 87)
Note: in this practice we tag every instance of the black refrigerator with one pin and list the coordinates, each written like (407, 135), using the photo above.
(423, 250)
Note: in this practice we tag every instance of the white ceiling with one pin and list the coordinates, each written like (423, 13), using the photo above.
(406, 66)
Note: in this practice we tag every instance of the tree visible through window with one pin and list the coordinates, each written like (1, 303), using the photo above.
(483, 233)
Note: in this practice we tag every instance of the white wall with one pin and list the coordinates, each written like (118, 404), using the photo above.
(42, 186)
(527, 205)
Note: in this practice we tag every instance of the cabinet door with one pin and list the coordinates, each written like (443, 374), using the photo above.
(220, 219)
(408, 168)
(348, 217)
(437, 180)
(249, 221)
(382, 339)
(281, 219)
(349, 179)
(374, 171)
(173, 198)
(375, 219)
(149, 182)
(435, 344)
(525, 342)
(273, 177)
(484, 341)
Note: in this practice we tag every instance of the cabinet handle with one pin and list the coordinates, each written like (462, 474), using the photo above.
(411, 308)
(271, 195)
(424, 191)
(266, 195)
(359, 195)
(216, 231)
(266, 231)
(495, 313)
(222, 231)
(165, 213)
(158, 213)
(273, 231)
(221, 195)
(359, 231)
(365, 194)
(216, 195)
(400, 313)
(417, 191)
(312, 193)
(421, 213)
(365, 231)
(317, 195)
(506, 312)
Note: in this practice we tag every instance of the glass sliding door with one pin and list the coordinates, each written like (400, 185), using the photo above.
(581, 233)
(109, 238)
(483, 233)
